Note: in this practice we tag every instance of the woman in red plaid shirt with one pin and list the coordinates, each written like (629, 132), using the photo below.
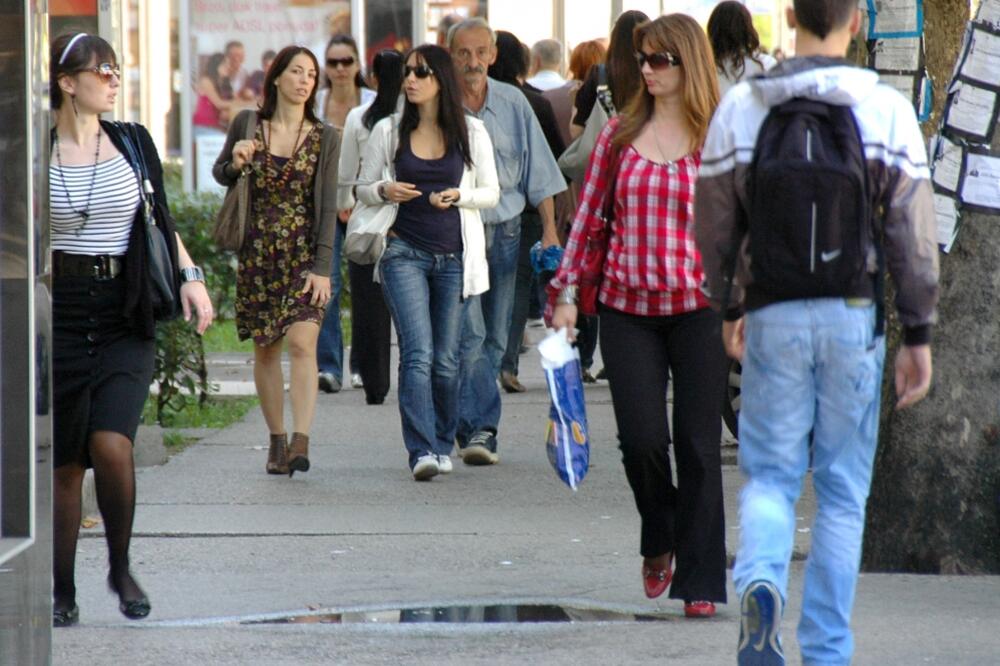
(655, 322)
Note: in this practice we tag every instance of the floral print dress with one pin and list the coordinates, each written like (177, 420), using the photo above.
(278, 252)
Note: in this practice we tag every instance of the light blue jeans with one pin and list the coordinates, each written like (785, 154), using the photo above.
(485, 328)
(811, 387)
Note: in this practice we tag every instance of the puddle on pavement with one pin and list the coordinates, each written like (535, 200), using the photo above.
(524, 613)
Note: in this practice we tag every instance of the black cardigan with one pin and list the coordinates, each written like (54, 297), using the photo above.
(138, 309)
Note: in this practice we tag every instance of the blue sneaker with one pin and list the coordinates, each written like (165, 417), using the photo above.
(760, 626)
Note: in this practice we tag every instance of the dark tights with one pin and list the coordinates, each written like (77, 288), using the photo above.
(114, 476)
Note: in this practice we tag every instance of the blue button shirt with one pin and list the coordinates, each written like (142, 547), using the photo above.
(526, 169)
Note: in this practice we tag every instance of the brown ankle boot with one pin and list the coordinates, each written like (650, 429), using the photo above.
(277, 455)
(298, 453)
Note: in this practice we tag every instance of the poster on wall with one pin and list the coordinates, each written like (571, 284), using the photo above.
(232, 43)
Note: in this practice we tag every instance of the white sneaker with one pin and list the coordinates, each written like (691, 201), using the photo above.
(356, 381)
(426, 467)
(444, 464)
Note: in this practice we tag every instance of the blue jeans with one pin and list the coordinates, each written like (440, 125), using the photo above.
(811, 388)
(485, 327)
(424, 295)
(330, 345)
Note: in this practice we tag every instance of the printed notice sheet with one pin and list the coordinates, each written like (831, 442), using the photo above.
(946, 164)
(901, 55)
(982, 59)
(906, 84)
(946, 212)
(981, 182)
(989, 13)
(972, 111)
(895, 18)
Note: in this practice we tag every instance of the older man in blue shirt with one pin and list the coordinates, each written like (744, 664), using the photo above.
(528, 173)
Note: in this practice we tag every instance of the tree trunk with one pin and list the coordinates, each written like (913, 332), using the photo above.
(935, 500)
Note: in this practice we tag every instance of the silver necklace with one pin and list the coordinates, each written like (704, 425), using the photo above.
(670, 164)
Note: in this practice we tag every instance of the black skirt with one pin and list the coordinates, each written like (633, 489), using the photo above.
(101, 369)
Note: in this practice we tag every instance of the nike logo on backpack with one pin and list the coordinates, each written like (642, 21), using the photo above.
(827, 257)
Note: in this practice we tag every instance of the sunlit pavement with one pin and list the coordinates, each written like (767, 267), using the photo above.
(228, 554)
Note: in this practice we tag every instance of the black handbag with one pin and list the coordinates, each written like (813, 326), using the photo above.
(161, 268)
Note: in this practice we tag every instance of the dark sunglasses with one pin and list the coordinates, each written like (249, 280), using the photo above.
(420, 71)
(105, 70)
(658, 60)
(343, 62)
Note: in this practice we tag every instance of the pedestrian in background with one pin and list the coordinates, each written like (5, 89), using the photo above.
(546, 65)
(812, 366)
(343, 88)
(511, 67)
(735, 44)
(528, 174)
(434, 167)
(282, 278)
(371, 326)
(656, 324)
(102, 313)
(622, 73)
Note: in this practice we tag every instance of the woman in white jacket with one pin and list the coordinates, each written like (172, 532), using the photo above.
(434, 166)
(371, 328)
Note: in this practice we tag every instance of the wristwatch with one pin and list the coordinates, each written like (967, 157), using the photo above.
(381, 192)
(192, 274)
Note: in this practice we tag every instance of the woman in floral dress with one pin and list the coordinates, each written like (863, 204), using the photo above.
(283, 279)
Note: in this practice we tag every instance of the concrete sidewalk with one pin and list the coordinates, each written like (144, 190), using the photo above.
(219, 543)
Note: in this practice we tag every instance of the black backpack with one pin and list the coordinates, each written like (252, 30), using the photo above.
(809, 207)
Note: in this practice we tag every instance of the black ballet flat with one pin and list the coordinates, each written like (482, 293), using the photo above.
(135, 609)
(67, 617)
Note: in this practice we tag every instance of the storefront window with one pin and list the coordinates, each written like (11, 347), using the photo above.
(438, 10)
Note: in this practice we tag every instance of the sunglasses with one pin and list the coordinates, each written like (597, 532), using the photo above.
(658, 60)
(105, 70)
(420, 71)
(342, 62)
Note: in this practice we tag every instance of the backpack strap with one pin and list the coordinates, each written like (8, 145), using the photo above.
(604, 97)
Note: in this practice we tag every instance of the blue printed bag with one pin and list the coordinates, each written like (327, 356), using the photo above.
(566, 439)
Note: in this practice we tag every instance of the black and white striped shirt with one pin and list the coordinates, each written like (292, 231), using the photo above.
(112, 208)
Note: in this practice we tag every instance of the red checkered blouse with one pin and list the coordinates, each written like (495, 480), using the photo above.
(652, 267)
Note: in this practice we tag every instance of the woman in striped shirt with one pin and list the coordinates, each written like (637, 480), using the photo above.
(103, 325)
(655, 322)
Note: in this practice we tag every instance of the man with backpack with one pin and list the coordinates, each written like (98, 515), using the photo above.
(814, 179)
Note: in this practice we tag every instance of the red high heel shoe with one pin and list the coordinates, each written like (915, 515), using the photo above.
(656, 581)
(699, 609)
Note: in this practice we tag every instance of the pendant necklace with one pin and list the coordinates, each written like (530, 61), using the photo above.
(670, 164)
(284, 171)
(84, 213)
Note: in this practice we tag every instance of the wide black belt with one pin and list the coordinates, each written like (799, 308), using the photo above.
(97, 266)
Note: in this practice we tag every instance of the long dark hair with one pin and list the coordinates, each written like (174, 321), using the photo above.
(509, 65)
(388, 69)
(451, 115)
(277, 68)
(345, 40)
(733, 37)
(211, 70)
(623, 71)
(75, 60)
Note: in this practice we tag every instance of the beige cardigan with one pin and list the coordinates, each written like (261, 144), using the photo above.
(324, 193)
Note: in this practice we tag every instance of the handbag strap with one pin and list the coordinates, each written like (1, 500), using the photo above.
(133, 146)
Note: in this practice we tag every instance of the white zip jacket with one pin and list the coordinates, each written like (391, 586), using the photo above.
(478, 189)
(897, 165)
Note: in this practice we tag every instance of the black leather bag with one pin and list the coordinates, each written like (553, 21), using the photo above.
(161, 266)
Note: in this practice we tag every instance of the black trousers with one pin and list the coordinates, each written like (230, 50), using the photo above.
(371, 331)
(641, 354)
